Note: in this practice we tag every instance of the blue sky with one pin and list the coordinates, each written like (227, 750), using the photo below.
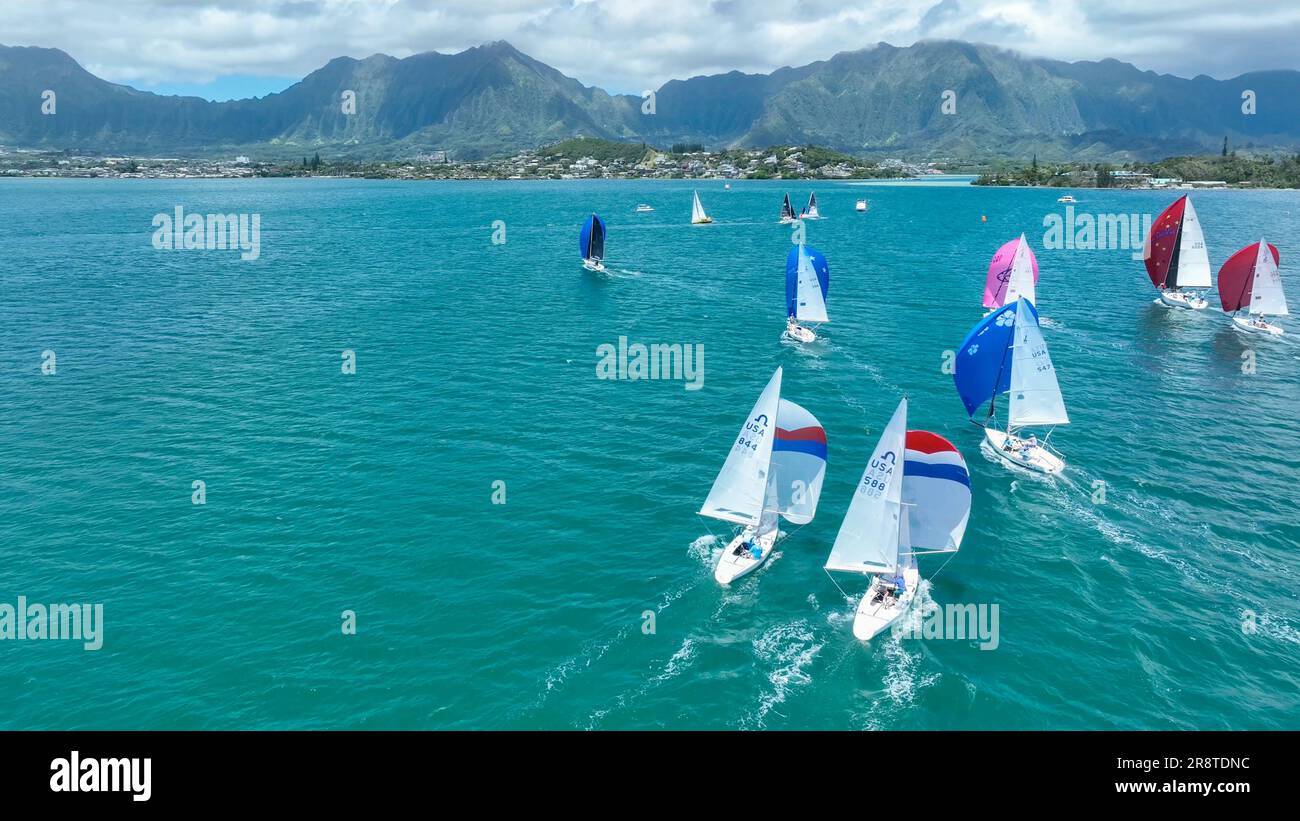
(236, 48)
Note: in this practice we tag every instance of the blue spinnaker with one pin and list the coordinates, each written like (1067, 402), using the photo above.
(983, 366)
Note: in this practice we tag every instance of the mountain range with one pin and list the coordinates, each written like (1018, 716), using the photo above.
(494, 99)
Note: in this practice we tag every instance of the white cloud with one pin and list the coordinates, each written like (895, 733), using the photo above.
(629, 45)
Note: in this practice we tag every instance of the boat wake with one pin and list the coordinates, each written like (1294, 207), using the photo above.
(787, 650)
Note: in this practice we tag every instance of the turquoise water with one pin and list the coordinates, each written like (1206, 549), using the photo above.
(475, 363)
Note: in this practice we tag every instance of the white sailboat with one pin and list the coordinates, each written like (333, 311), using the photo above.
(1176, 257)
(774, 469)
(913, 498)
(807, 278)
(811, 211)
(1250, 279)
(698, 217)
(1006, 353)
(1007, 282)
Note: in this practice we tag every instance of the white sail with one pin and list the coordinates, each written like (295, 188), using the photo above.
(1193, 259)
(1035, 394)
(868, 538)
(810, 306)
(1020, 283)
(738, 494)
(812, 206)
(697, 210)
(1266, 295)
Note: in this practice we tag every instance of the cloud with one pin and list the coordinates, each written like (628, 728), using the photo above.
(630, 45)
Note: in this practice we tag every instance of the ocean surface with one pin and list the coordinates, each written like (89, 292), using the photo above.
(1170, 602)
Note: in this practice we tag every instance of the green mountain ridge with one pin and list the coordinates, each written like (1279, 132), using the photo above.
(493, 99)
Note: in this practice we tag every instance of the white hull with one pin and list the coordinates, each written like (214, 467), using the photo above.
(593, 265)
(1038, 459)
(1244, 325)
(798, 333)
(877, 612)
(732, 565)
(789, 220)
(1179, 299)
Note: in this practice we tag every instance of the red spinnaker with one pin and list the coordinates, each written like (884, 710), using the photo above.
(1237, 276)
(1162, 242)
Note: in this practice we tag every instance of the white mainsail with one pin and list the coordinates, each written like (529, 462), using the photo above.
(1266, 295)
(810, 306)
(740, 491)
(1035, 394)
(697, 210)
(869, 537)
(1193, 259)
(1020, 283)
(812, 206)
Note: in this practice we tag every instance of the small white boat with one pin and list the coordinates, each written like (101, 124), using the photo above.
(860, 206)
(591, 242)
(807, 280)
(811, 211)
(1027, 453)
(913, 499)
(643, 208)
(1251, 280)
(1176, 257)
(1189, 300)
(1034, 395)
(1066, 198)
(698, 217)
(788, 215)
(774, 470)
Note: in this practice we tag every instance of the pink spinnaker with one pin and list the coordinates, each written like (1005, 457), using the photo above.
(995, 286)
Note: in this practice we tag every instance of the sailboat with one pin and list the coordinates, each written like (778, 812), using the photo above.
(811, 211)
(1006, 353)
(774, 470)
(913, 499)
(807, 279)
(1175, 256)
(1013, 273)
(787, 212)
(1250, 280)
(591, 242)
(698, 217)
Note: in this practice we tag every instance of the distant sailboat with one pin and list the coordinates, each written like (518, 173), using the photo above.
(807, 280)
(1013, 273)
(860, 206)
(1250, 281)
(811, 211)
(1006, 353)
(1175, 256)
(775, 469)
(914, 498)
(698, 217)
(591, 242)
(787, 212)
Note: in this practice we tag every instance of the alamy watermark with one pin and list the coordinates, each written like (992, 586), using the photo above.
(1101, 232)
(958, 622)
(208, 232)
(53, 622)
(654, 361)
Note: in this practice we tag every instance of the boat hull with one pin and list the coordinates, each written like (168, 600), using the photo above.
(876, 613)
(593, 265)
(1245, 326)
(732, 565)
(1038, 459)
(705, 221)
(798, 333)
(1178, 299)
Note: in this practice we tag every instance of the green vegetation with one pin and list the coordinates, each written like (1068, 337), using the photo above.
(602, 150)
(1262, 171)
